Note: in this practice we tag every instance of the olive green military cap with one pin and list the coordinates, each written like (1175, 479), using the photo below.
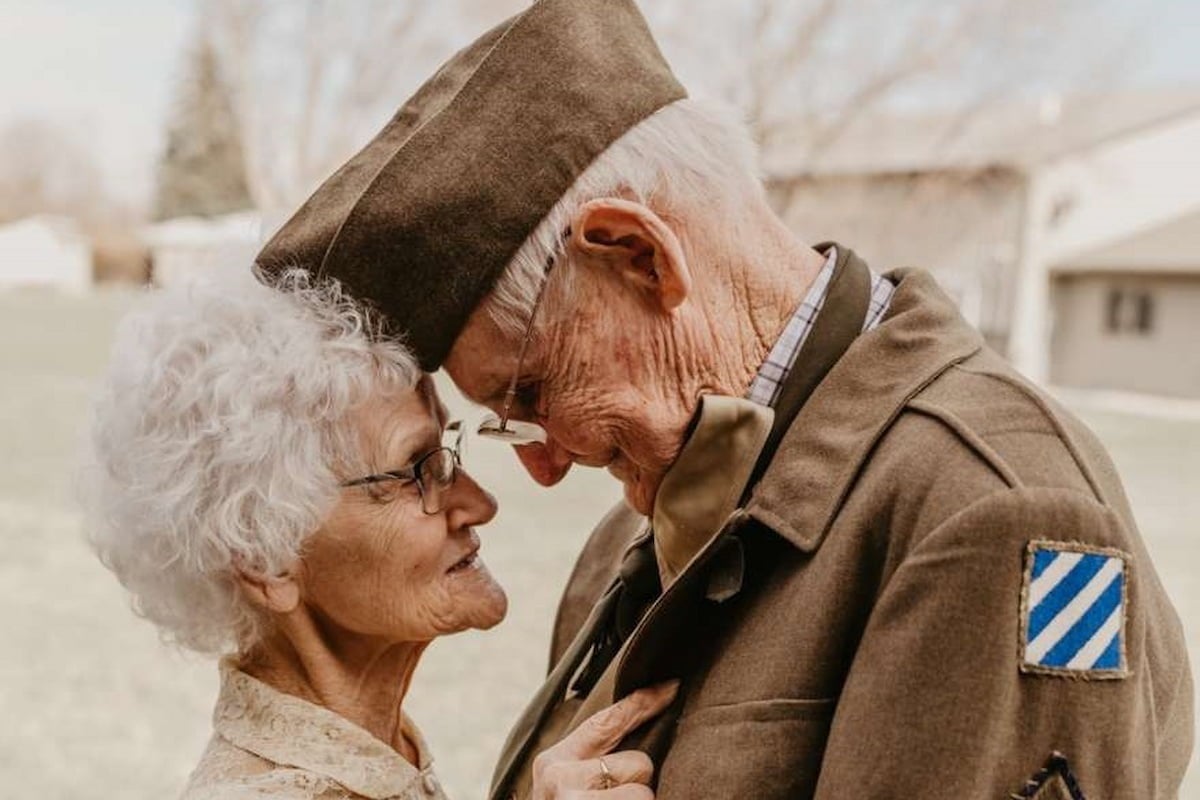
(421, 222)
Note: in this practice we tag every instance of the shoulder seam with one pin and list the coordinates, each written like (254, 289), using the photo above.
(1050, 417)
(969, 438)
(1068, 495)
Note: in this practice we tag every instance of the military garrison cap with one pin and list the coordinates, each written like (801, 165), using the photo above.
(422, 221)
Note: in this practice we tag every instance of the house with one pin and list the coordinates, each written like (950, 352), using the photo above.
(1127, 315)
(1067, 229)
(185, 248)
(47, 252)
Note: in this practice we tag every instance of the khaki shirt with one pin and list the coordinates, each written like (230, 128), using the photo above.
(268, 744)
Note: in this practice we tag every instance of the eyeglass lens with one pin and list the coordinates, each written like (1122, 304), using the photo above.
(514, 432)
(435, 475)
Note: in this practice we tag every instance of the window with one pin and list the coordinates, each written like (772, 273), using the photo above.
(1129, 310)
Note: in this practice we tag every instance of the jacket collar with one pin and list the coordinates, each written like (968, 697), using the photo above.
(703, 487)
(824, 449)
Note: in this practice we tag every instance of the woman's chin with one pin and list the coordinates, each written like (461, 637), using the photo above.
(479, 591)
(495, 617)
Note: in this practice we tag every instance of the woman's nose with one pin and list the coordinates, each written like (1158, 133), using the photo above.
(470, 504)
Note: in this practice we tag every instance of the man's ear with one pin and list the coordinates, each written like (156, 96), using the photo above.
(278, 594)
(638, 243)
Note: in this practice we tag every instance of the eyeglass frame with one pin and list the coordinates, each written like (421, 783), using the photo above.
(412, 472)
(525, 432)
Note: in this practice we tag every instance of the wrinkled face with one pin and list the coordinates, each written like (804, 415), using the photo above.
(380, 566)
(597, 377)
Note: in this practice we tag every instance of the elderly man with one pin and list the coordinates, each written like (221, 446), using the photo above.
(882, 563)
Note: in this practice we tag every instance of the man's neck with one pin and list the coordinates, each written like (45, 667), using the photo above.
(768, 286)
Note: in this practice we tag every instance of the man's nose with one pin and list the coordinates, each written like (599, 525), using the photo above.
(546, 463)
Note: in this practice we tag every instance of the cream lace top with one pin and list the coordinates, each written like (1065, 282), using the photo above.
(267, 744)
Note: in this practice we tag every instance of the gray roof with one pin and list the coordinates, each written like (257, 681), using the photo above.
(1170, 248)
(1013, 134)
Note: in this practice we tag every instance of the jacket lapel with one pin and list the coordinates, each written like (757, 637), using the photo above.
(659, 648)
(515, 749)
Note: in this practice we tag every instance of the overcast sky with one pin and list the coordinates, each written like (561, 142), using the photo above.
(105, 67)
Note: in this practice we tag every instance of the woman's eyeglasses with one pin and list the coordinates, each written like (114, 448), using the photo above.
(433, 472)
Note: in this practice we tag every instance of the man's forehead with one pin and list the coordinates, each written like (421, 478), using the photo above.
(483, 360)
(430, 399)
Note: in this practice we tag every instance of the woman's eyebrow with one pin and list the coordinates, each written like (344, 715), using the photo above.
(412, 450)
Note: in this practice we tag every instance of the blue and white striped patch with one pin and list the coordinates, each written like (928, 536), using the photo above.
(1073, 610)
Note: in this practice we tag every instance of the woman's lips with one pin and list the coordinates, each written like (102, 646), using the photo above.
(469, 558)
(469, 561)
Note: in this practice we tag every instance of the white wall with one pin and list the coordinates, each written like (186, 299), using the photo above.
(1164, 360)
(42, 252)
(184, 249)
(1086, 200)
(962, 227)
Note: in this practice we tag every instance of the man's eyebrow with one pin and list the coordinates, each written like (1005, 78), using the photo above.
(495, 395)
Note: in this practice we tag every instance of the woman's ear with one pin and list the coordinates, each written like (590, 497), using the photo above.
(638, 243)
(278, 594)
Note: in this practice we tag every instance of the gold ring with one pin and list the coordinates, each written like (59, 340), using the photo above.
(606, 775)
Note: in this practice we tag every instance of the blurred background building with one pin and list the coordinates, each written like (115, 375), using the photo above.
(45, 251)
(1041, 157)
(1037, 155)
(1067, 227)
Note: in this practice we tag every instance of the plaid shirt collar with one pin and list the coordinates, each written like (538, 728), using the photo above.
(768, 383)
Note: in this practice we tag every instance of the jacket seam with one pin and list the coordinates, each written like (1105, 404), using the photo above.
(1050, 417)
(994, 496)
(861, 460)
(972, 440)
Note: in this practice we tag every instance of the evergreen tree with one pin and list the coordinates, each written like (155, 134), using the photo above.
(202, 171)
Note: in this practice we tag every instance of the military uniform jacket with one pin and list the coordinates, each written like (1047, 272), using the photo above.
(899, 606)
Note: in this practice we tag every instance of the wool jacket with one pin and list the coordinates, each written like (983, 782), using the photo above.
(875, 621)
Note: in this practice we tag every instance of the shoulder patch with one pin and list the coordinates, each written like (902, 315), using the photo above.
(1074, 602)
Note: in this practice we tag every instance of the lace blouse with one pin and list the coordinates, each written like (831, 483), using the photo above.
(268, 744)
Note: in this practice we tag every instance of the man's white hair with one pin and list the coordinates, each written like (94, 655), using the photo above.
(218, 437)
(697, 155)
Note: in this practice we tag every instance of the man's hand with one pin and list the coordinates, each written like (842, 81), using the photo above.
(582, 765)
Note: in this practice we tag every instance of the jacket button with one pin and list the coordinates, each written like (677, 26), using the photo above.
(430, 784)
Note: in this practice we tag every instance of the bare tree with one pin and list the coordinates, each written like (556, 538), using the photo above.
(314, 79)
(803, 71)
(202, 170)
(46, 168)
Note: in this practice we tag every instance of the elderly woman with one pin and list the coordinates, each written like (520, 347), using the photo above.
(272, 481)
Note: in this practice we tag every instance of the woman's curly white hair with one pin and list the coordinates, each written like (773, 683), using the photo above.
(218, 437)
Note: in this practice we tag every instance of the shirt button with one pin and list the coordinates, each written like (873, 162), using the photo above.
(430, 783)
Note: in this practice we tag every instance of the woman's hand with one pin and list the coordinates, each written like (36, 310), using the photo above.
(573, 768)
